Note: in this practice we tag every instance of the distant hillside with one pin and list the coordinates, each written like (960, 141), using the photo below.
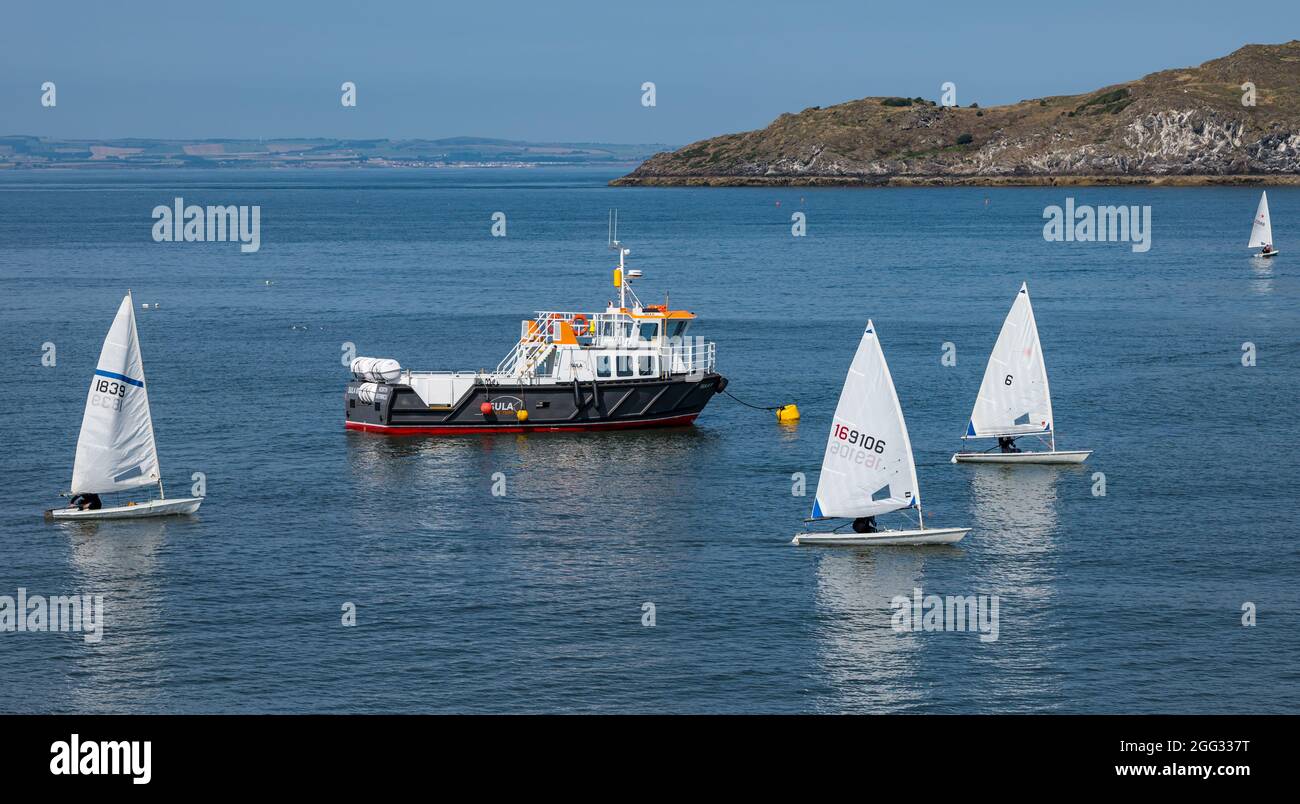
(17, 152)
(1177, 126)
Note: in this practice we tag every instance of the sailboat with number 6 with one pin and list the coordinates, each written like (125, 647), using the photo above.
(868, 469)
(1014, 399)
(116, 450)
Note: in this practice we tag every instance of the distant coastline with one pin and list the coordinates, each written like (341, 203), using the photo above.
(23, 152)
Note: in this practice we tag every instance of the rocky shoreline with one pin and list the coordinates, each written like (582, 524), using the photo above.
(955, 181)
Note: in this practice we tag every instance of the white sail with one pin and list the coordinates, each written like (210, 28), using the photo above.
(1014, 398)
(116, 449)
(1261, 232)
(868, 468)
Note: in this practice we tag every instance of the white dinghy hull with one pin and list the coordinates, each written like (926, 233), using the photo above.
(1052, 457)
(179, 505)
(883, 538)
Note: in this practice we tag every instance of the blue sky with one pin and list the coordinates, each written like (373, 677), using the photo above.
(569, 71)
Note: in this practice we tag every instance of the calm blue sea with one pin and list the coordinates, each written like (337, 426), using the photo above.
(533, 602)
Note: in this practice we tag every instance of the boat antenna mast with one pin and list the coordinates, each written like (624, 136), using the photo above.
(622, 276)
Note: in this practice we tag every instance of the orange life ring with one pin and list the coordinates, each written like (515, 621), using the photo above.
(579, 324)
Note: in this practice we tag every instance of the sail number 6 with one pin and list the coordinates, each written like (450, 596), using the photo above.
(844, 433)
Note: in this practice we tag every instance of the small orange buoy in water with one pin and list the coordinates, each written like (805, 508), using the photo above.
(787, 413)
(521, 415)
(485, 408)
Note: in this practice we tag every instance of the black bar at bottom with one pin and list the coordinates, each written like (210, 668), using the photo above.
(333, 752)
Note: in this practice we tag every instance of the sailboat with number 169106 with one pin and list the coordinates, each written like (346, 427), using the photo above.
(868, 469)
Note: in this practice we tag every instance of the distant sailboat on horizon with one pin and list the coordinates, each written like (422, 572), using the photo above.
(1261, 231)
(867, 468)
(116, 450)
(1014, 399)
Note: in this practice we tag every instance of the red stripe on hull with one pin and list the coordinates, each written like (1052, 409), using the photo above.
(675, 421)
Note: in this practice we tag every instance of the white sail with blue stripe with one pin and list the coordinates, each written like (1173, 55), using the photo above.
(867, 469)
(115, 450)
(1014, 398)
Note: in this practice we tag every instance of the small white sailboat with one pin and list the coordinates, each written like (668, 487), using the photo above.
(868, 469)
(1014, 399)
(1261, 231)
(116, 451)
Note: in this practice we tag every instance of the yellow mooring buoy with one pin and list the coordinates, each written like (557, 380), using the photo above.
(522, 415)
(787, 413)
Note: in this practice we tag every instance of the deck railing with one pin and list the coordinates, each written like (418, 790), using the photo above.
(689, 356)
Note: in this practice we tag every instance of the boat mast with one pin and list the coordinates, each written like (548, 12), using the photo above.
(622, 252)
(162, 495)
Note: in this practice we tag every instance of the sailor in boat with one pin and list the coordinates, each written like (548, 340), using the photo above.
(86, 502)
(865, 524)
(1008, 444)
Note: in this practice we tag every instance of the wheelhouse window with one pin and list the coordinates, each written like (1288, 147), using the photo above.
(602, 366)
(677, 328)
(625, 365)
(646, 366)
(648, 331)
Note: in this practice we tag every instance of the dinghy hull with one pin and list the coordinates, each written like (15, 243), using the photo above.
(1056, 457)
(152, 508)
(884, 538)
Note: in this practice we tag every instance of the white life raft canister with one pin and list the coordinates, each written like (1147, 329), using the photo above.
(376, 369)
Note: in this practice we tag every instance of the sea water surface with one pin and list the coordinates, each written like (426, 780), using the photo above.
(534, 601)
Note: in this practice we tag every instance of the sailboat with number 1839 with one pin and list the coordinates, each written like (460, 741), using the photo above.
(116, 450)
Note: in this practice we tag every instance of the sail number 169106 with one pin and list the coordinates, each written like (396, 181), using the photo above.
(845, 433)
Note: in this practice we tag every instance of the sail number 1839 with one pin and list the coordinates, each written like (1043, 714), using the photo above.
(107, 394)
(845, 433)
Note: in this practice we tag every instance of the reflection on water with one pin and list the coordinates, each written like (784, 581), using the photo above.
(520, 484)
(1014, 509)
(1261, 269)
(1010, 553)
(868, 664)
(120, 561)
(1015, 514)
(788, 431)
